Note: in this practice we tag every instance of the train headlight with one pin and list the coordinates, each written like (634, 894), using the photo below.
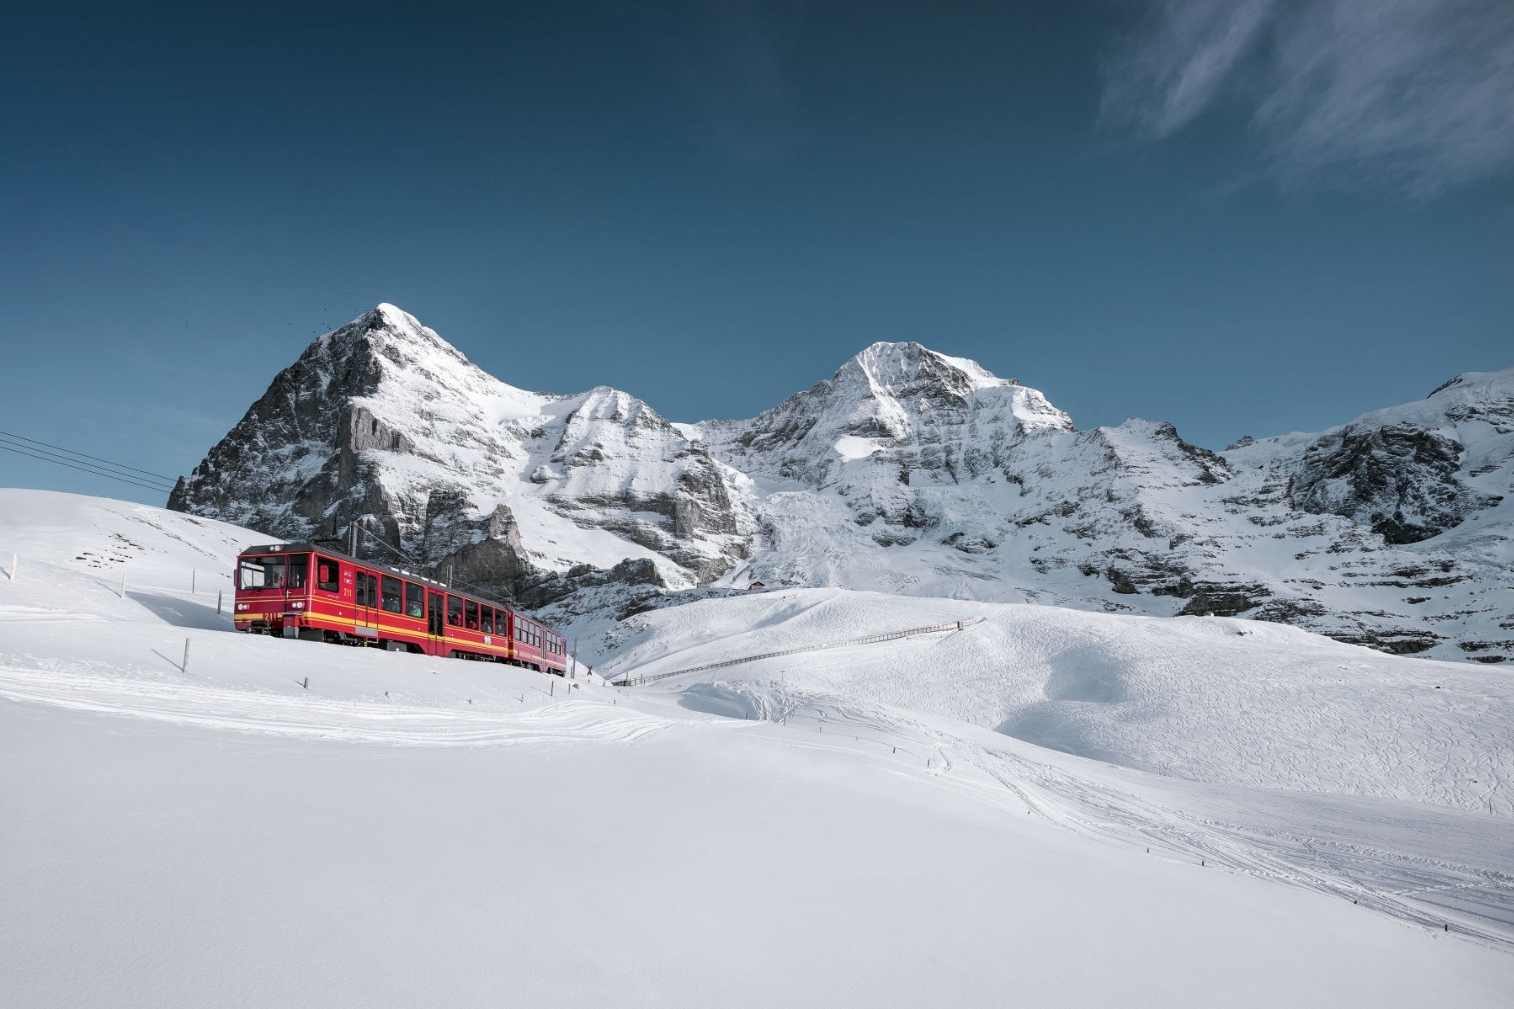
(242, 607)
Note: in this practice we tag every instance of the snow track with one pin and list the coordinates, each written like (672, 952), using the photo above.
(1423, 865)
(311, 716)
(1413, 887)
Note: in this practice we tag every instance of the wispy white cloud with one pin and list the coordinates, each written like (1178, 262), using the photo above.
(1417, 95)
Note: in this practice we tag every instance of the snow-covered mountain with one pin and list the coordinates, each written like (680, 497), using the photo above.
(383, 424)
(908, 471)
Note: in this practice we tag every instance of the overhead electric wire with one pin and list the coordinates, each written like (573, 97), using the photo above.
(82, 467)
(92, 472)
(84, 462)
(85, 455)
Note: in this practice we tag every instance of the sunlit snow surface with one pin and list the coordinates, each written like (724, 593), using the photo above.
(957, 819)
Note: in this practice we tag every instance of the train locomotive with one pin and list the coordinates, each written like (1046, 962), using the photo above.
(299, 590)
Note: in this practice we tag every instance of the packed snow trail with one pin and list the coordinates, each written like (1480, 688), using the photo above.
(400, 720)
(1426, 866)
(630, 679)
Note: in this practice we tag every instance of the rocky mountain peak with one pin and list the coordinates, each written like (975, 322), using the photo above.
(905, 369)
(384, 427)
(911, 371)
(387, 334)
(899, 406)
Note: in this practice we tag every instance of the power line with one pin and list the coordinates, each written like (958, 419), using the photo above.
(83, 455)
(43, 456)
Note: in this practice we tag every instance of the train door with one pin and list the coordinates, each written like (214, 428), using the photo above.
(435, 625)
(365, 614)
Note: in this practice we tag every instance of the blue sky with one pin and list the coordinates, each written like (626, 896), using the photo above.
(1241, 216)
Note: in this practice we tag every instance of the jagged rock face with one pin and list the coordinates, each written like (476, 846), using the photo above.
(299, 447)
(1399, 480)
(907, 471)
(384, 427)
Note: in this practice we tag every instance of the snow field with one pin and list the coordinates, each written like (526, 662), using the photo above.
(1208, 699)
(843, 828)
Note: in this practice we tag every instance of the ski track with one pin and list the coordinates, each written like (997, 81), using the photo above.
(311, 716)
(1376, 879)
(1422, 891)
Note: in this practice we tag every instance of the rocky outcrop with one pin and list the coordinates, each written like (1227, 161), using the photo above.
(1399, 480)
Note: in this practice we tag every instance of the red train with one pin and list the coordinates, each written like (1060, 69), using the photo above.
(301, 591)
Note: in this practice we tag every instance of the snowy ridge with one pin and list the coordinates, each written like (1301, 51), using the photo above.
(1393, 531)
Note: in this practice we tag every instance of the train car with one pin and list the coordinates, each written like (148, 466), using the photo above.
(298, 590)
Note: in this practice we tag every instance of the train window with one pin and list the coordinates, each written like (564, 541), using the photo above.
(328, 575)
(362, 589)
(392, 590)
(486, 619)
(299, 566)
(260, 573)
(415, 600)
(471, 620)
(455, 610)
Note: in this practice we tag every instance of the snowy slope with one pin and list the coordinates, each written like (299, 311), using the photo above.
(850, 827)
(1209, 699)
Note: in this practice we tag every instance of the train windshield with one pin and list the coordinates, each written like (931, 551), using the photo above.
(277, 571)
